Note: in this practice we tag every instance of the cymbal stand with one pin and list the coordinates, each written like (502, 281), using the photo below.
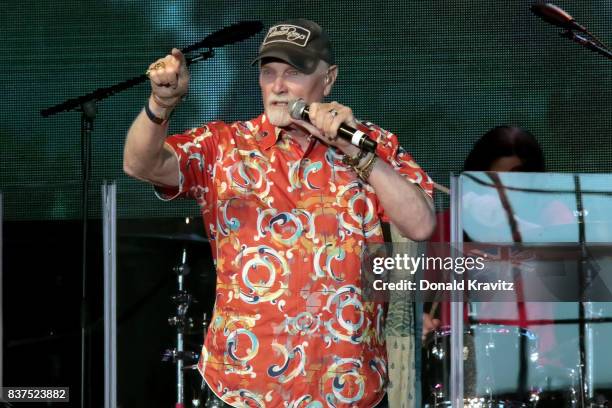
(180, 321)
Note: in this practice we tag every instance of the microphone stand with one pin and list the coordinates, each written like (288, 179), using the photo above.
(228, 35)
(88, 114)
(86, 104)
(103, 93)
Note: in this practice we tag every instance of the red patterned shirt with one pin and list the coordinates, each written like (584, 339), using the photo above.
(287, 229)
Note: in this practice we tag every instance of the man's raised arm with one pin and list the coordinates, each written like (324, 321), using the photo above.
(144, 155)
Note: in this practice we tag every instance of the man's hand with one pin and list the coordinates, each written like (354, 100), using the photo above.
(325, 119)
(169, 79)
(397, 195)
(429, 324)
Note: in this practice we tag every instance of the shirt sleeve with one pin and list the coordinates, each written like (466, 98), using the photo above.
(195, 150)
(391, 152)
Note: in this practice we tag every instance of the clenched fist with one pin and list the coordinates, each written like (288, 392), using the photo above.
(169, 78)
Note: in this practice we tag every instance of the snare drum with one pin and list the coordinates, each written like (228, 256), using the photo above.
(498, 362)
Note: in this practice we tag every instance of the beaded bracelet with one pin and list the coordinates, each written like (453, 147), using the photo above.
(364, 171)
(154, 118)
(162, 104)
(353, 161)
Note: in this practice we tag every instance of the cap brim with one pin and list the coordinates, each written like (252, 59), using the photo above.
(301, 60)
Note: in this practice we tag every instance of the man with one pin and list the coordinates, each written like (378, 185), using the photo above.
(288, 207)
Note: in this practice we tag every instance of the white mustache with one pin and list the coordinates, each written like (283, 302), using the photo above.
(280, 101)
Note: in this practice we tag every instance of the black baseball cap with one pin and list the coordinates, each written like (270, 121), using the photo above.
(298, 42)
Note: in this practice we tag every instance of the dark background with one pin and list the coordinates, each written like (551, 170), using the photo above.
(438, 73)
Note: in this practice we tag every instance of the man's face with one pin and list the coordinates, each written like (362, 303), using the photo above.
(281, 83)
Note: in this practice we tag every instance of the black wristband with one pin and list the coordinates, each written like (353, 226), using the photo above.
(151, 115)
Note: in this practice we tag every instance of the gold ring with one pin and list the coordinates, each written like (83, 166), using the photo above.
(158, 65)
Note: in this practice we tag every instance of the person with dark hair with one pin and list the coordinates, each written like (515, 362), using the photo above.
(289, 208)
(501, 149)
(506, 148)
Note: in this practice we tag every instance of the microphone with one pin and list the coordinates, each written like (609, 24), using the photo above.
(556, 16)
(299, 110)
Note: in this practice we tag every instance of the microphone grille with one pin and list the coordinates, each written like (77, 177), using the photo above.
(553, 15)
(296, 108)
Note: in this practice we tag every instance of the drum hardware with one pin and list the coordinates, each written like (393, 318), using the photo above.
(549, 387)
(555, 392)
(171, 355)
(180, 321)
(185, 360)
(203, 387)
(490, 382)
(184, 352)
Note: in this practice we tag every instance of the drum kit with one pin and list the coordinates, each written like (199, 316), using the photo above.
(502, 369)
(189, 332)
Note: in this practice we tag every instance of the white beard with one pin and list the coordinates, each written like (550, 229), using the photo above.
(278, 116)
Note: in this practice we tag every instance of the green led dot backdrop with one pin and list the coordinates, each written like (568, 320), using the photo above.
(438, 73)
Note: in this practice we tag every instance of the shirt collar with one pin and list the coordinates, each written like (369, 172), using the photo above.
(268, 134)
